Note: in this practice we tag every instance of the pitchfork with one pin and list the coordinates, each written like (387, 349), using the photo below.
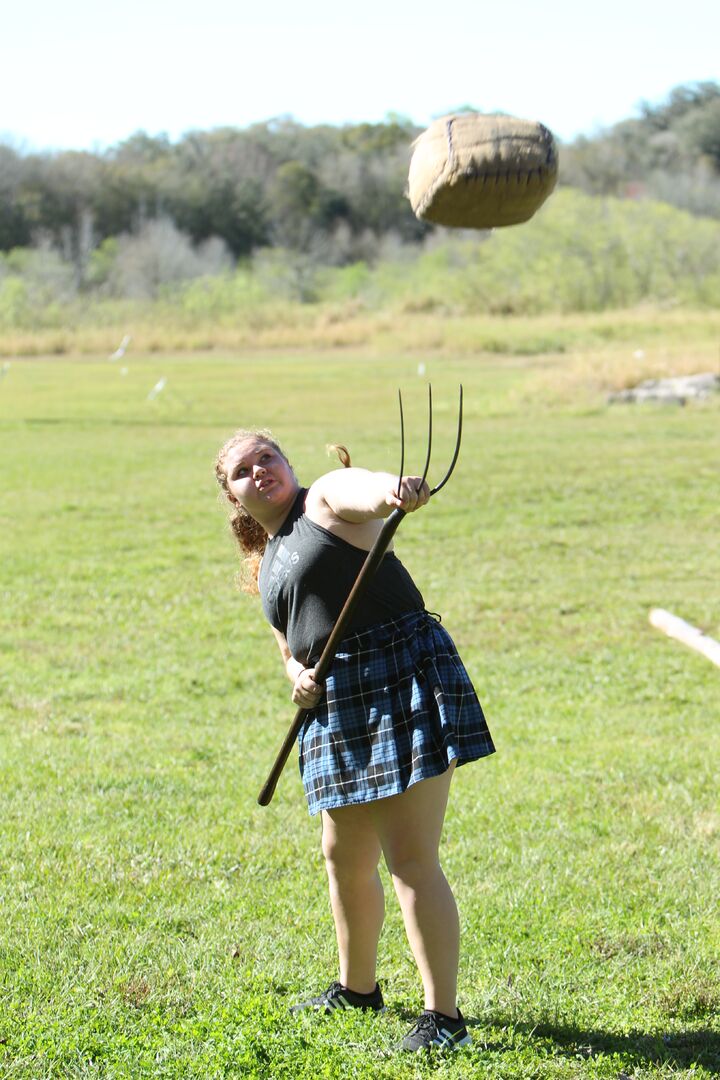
(374, 557)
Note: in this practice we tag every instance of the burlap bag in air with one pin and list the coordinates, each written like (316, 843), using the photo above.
(473, 171)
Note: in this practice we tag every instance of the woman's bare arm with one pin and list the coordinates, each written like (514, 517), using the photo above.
(306, 692)
(358, 495)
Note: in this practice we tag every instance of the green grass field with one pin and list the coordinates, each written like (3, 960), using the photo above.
(156, 922)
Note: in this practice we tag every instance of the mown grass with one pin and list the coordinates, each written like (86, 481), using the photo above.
(156, 922)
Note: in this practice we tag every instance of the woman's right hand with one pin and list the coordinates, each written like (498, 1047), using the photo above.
(306, 692)
(412, 493)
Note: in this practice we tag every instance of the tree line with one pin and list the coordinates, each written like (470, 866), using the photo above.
(333, 194)
(274, 184)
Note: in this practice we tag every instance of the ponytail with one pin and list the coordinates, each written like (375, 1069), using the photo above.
(342, 452)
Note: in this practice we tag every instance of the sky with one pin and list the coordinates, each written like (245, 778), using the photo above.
(85, 75)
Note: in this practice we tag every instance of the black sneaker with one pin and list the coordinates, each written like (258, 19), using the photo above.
(338, 996)
(435, 1031)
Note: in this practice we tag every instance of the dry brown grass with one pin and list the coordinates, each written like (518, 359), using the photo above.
(592, 372)
(575, 356)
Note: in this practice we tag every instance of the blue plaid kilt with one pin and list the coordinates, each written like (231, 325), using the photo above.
(398, 708)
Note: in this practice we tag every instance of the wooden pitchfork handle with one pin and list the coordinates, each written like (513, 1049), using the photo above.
(368, 569)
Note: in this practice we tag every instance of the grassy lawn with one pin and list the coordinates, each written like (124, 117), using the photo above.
(156, 922)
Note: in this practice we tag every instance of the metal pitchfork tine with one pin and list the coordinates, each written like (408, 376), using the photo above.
(374, 557)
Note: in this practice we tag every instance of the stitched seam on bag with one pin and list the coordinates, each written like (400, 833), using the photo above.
(451, 149)
(488, 176)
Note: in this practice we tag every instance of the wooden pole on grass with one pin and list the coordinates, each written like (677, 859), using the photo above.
(689, 635)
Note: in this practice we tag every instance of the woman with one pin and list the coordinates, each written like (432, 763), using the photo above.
(384, 734)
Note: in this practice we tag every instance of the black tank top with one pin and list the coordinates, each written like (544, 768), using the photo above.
(305, 578)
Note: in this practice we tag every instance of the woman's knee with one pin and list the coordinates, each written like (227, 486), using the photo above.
(346, 859)
(413, 868)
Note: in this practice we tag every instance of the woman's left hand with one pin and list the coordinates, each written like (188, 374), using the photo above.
(306, 692)
(414, 492)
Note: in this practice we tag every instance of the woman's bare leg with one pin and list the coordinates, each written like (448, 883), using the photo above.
(352, 852)
(409, 827)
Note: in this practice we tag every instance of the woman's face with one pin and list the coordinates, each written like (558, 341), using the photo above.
(259, 478)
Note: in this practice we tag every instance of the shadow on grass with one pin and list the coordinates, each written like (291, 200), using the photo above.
(636, 1048)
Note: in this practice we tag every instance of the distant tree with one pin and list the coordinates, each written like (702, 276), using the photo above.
(700, 130)
(15, 229)
(373, 140)
(58, 197)
(300, 207)
(215, 186)
(142, 149)
(681, 101)
(161, 255)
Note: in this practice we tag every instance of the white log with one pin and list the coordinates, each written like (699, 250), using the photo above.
(689, 635)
